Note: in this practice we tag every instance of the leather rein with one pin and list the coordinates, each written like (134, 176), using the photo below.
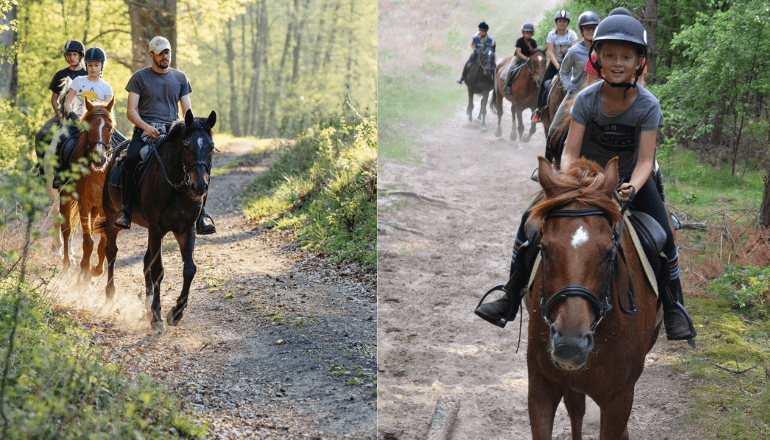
(600, 300)
(187, 180)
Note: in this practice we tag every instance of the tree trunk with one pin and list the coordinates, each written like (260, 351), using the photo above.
(298, 42)
(651, 24)
(764, 210)
(235, 126)
(258, 126)
(8, 66)
(151, 18)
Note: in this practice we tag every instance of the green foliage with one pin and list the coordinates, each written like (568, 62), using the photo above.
(323, 185)
(743, 285)
(58, 388)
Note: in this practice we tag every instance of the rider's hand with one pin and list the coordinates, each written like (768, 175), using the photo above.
(152, 131)
(73, 116)
(625, 192)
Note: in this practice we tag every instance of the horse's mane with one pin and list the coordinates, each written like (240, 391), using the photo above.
(537, 51)
(178, 128)
(65, 88)
(581, 183)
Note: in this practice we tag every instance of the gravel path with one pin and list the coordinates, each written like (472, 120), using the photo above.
(276, 342)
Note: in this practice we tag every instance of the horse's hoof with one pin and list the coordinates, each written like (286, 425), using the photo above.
(148, 303)
(498, 132)
(158, 325)
(525, 138)
(170, 318)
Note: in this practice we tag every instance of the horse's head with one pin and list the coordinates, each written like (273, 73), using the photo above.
(96, 140)
(538, 63)
(198, 147)
(487, 58)
(577, 219)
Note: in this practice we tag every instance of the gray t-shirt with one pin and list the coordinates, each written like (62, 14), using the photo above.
(610, 136)
(573, 68)
(159, 93)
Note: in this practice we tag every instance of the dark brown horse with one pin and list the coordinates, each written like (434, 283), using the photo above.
(523, 93)
(169, 199)
(85, 199)
(478, 78)
(584, 336)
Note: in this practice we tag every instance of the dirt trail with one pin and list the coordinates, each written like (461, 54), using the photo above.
(430, 342)
(272, 338)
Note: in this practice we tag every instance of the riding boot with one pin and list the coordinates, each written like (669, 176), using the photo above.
(677, 321)
(205, 224)
(507, 89)
(505, 309)
(123, 217)
(460, 80)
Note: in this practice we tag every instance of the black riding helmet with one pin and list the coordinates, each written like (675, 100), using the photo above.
(588, 18)
(483, 26)
(73, 46)
(95, 55)
(562, 14)
(621, 28)
(528, 27)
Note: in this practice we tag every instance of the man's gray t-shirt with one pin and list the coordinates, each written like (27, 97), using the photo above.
(616, 135)
(159, 93)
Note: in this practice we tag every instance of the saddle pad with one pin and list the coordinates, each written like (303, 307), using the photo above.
(516, 71)
(639, 251)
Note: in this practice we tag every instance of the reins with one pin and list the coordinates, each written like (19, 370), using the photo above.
(187, 181)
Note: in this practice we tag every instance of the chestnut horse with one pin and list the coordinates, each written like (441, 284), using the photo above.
(523, 93)
(555, 97)
(168, 199)
(478, 78)
(89, 161)
(585, 279)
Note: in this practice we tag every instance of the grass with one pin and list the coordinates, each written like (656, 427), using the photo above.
(730, 311)
(260, 146)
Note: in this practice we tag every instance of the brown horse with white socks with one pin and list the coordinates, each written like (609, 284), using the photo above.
(593, 315)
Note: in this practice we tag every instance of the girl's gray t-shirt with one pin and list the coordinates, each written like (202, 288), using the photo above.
(159, 94)
(616, 135)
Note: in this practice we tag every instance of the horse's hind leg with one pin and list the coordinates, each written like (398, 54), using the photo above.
(88, 245)
(68, 259)
(576, 408)
(111, 252)
(469, 110)
(499, 110)
(483, 111)
(186, 247)
(513, 122)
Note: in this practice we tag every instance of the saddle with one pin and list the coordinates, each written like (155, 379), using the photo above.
(514, 71)
(66, 152)
(117, 170)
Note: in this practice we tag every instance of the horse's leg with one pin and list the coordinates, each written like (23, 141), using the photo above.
(615, 413)
(576, 408)
(98, 269)
(483, 111)
(111, 251)
(499, 110)
(513, 122)
(53, 194)
(66, 232)
(469, 110)
(88, 245)
(153, 266)
(543, 399)
(532, 129)
(520, 126)
(186, 248)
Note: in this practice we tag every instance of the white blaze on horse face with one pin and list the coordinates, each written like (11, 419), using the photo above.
(99, 148)
(580, 237)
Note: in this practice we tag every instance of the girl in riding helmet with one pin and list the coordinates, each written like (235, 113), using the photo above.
(615, 118)
(478, 41)
(593, 75)
(91, 87)
(524, 48)
(558, 43)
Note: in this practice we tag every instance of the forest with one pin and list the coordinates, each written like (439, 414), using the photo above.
(266, 67)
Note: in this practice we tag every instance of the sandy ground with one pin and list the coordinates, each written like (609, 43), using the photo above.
(435, 261)
(271, 339)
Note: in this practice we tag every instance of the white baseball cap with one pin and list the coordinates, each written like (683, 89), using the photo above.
(159, 44)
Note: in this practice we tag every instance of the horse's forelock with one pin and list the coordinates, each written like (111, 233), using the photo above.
(583, 182)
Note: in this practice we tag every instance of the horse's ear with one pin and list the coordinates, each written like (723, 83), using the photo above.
(109, 106)
(545, 175)
(212, 119)
(188, 117)
(89, 106)
(611, 177)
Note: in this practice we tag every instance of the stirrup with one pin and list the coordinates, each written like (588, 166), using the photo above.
(500, 322)
(205, 225)
(122, 219)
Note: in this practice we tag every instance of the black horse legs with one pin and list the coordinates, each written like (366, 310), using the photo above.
(186, 246)
(153, 275)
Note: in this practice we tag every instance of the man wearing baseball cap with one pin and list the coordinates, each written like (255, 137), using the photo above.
(154, 96)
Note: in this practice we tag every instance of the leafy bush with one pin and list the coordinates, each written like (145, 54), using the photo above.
(57, 388)
(323, 185)
(743, 285)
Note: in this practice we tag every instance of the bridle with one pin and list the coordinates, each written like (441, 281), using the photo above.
(530, 66)
(599, 300)
(187, 180)
(107, 147)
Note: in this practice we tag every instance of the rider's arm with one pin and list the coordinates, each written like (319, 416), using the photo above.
(473, 45)
(644, 163)
(55, 104)
(521, 55)
(133, 115)
(184, 102)
(107, 98)
(552, 56)
(68, 101)
(565, 72)
(574, 144)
